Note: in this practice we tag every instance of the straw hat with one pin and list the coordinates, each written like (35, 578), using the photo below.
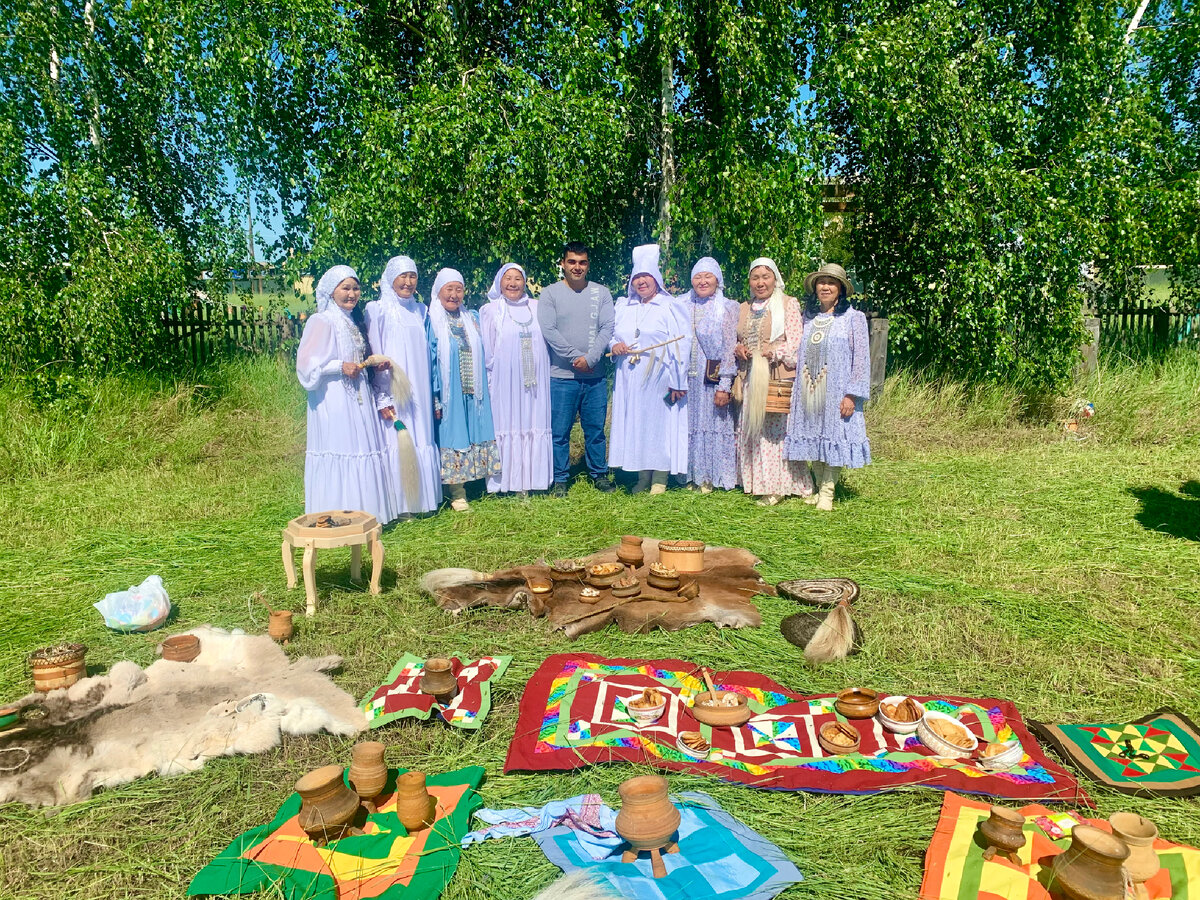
(829, 270)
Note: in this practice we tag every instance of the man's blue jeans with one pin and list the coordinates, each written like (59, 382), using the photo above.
(570, 397)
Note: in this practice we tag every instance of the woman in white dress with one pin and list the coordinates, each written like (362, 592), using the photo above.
(649, 411)
(518, 371)
(396, 329)
(345, 463)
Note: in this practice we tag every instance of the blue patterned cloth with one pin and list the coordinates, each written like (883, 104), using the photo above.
(719, 858)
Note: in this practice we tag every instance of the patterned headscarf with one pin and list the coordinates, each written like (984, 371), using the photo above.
(709, 265)
(328, 282)
(396, 266)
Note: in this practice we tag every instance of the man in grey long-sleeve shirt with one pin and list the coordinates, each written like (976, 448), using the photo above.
(576, 317)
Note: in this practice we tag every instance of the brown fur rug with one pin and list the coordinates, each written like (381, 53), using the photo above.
(240, 695)
(727, 585)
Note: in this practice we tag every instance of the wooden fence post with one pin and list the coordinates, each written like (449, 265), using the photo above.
(1091, 345)
(877, 339)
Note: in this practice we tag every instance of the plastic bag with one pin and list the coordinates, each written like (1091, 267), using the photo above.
(143, 607)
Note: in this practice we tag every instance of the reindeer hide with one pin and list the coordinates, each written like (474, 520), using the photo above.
(238, 696)
(727, 584)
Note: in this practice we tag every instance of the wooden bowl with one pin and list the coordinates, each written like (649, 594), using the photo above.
(604, 574)
(831, 728)
(683, 556)
(181, 648)
(733, 716)
(566, 570)
(858, 703)
(622, 589)
(662, 582)
(540, 585)
(589, 595)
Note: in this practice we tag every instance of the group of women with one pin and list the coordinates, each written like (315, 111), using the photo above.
(406, 402)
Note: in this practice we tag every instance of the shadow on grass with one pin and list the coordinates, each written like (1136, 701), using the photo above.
(1174, 513)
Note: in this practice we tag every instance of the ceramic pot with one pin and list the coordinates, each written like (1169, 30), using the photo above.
(279, 626)
(57, 667)
(662, 582)
(1092, 867)
(1003, 831)
(415, 806)
(630, 551)
(181, 648)
(721, 716)
(685, 557)
(1138, 833)
(327, 806)
(648, 819)
(438, 680)
(368, 772)
(602, 576)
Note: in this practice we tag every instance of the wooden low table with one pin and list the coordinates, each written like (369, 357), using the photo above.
(342, 528)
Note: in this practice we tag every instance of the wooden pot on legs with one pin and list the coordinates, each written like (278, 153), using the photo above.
(648, 820)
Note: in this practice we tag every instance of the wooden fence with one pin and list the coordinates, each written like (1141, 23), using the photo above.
(1148, 322)
(207, 330)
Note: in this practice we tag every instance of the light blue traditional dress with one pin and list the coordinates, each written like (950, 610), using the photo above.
(396, 328)
(648, 433)
(465, 436)
(346, 464)
(834, 361)
(712, 443)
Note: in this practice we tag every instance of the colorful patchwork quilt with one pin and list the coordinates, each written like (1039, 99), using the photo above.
(1158, 754)
(956, 870)
(573, 714)
(386, 862)
(400, 696)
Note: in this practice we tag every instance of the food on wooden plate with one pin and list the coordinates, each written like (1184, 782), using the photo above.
(589, 595)
(839, 734)
(694, 741)
(905, 711)
(629, 581)
(663, 571)
(950, 732)
(649, 699)
(603, 570)
(567, 565)
(728, 699)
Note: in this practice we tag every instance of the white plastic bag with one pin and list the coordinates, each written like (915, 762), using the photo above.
(141, 608)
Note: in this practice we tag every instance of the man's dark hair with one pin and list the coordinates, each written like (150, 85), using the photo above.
(578, 247)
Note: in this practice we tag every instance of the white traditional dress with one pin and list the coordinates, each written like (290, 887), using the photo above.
(346, 464)
(648, 433)
(518, 372)
(396, 329)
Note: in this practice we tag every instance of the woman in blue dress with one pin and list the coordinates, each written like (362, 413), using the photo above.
(461, 406)
(833, 381)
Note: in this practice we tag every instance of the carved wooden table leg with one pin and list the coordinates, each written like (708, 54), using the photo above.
(376, 559)
(289, 563)
(310, 579)
(356, 562)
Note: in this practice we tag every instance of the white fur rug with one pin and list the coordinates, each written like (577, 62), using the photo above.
(240, 695)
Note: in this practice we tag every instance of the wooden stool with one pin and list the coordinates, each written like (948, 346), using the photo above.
(339, 528)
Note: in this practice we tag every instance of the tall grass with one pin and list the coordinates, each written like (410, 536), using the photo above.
(997, 558)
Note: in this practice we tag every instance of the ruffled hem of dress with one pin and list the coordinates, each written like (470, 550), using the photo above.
(526, 461)
(844, 454)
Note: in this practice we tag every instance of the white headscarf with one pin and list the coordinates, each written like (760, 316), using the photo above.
(396, 266)
(775, 301)
(712, 267)
(494, 293)
(439, 321)
(645, 262)
(328, 282)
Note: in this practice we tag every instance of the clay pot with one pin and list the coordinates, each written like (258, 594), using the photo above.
(181, 648)
(327, 806)
(858, 703)
(415, 806)
(1092, 867)
(1138, 833)
(662, 582)
(439, 681)
(603, 575)
(279, 626)
(368, 772)
(59, 666)
(648, 819)
(685, 557)
(1003, 831)
(630, 551)
(721, 716)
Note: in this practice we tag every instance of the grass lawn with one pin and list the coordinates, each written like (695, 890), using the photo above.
(996, 557)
